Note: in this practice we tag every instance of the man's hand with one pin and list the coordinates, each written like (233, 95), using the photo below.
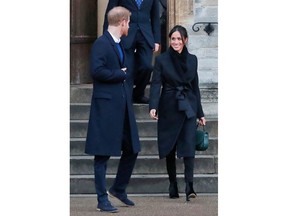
(156, 47)
(124, 69)
(153, 114)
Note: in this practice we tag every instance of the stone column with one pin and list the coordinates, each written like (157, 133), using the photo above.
(102, 4)
(171, 14)
(178, 11)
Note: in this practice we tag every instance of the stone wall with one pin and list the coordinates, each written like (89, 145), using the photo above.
(188, 12)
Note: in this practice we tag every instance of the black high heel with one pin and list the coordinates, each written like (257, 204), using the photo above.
(173, 190)
(190, 193)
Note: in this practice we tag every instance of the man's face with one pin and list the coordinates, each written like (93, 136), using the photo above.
(125, 27)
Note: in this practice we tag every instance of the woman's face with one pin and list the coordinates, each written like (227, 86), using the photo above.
(176, 41)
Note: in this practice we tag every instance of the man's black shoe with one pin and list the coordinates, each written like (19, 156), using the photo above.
(122, 197)
(106, 207)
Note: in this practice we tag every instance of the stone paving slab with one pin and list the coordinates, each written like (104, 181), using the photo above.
(203, 205)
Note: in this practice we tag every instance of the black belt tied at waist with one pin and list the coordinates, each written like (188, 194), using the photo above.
(181, 97)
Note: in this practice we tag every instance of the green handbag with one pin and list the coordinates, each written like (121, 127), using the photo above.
(202, 139)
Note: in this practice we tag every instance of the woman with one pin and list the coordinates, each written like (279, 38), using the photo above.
(177, 106)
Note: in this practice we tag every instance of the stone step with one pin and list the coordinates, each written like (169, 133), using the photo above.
(146, 184)
(149, 175)
(148, 147)
(82, 93)
(146, 128)
(204, 164)
(80, 111)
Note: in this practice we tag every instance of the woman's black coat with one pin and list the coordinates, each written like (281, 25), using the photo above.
(178, 104)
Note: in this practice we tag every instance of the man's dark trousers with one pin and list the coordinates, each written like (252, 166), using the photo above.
(139, 59)
(125, 167)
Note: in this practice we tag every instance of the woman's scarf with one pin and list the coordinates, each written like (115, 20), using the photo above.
(180, 62)
(179, 59)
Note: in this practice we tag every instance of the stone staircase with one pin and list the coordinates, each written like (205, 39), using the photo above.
(149, 175)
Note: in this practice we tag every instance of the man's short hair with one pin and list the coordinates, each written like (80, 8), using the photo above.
(117, 14)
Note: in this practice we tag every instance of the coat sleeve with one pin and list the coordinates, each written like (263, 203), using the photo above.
(155, 21)
(155, 86)
(195, 85)
(101, 61)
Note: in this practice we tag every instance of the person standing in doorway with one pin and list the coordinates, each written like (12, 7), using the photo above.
(177, 107)
(143, 39)
(112, 126)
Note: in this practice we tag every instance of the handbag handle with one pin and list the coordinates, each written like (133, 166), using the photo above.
(202, 126)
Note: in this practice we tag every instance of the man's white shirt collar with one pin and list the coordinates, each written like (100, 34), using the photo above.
(114, 38)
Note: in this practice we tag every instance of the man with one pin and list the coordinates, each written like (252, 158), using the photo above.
(112, 125)
(142, 40)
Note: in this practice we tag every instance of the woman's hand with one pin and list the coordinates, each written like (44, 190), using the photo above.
(202, 121)
(153, 114)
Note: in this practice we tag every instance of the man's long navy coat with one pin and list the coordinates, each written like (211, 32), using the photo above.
(109, 101)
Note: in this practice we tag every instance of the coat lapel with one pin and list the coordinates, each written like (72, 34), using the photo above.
(115, 48)
(135, 4)
(179, 75)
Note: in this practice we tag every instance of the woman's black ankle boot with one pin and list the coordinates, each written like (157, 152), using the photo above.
(173, 190)
(190, 193)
